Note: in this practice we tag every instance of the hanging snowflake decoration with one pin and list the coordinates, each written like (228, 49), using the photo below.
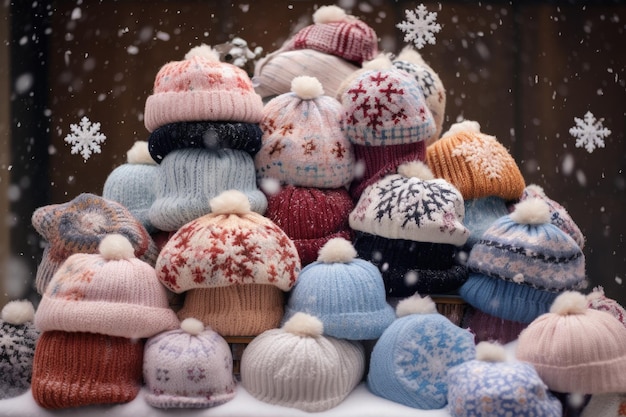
(589, 133)
(85, 138)
(420, 26)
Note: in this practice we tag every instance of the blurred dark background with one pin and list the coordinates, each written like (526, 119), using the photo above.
(522, 69)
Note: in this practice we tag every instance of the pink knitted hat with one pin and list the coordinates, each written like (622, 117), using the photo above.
(201, 88)
(337, 33)
(302, 140)
(111, 293)
(576, 349)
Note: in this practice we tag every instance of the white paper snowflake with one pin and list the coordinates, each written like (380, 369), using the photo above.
(85, 138)
(483, 154)
(589, 133)
(420, 26)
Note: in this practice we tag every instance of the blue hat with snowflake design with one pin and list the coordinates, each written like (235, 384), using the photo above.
(411, 358)
(190, 367)
(522, 263)
(491, 386)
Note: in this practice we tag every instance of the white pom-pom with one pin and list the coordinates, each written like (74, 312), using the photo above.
(192, 326)
(536, 189)
(490, 352)
(381, 62)
(335, 250)
(270, 186)
(303, 324)
(569, 302)
(18, 312)
(531, 211)
(416, 169)
(416, 304)
(329, 14)
(464, 126)
(409, 54)
(230, 202)
(139, 154)
(307, 88)
(204, 51)
(596, 294)
(115, 247)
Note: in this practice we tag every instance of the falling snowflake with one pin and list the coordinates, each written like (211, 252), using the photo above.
(589, 133)
(419, 26)
(484, 154)
(85, 138)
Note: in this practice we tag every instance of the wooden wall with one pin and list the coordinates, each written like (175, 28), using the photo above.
(523, 70)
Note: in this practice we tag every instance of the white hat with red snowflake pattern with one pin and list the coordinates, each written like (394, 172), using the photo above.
(412, 205)
(230, 246)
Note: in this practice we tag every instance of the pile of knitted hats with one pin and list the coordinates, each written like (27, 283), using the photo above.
(318, 213)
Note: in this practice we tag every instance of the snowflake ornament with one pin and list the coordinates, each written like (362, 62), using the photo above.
(420, 26)
(589, 133)
(85, 138)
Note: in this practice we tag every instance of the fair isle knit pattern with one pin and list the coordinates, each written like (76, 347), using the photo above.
(79, 225)
(385, 107)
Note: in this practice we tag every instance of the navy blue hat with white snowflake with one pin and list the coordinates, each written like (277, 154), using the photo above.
(410, 225)
(18, 338)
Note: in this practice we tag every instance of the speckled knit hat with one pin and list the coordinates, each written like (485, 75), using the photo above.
(18, 338)
(410, 225)
(411, 61)
(521, 264)
(296, 366)
(410, 360)
(476, 163)
(111, 293)
(491, 386)
(79, 225)
(337, 33)
(233, 265)
(200, 87)
(302, 140)
(347, 294)
(310, 216)
(576, 349)
(189, 367)
(598, 300)
(132, 184)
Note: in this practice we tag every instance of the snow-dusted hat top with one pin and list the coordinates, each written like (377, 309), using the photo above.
(576, 349)
(490, 384)
(411, 61)
(410, 360)
(337, 33)
(476, 163)
(188, 367)
(200, 87)
(302, 140)
(412, 205)
(346, 293)
(230, 246)
(297, 366)
(111, 293)
(383, 106)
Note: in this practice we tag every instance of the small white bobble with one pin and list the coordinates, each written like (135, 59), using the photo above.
(416, 304)
(380, 62)
(531, 211)
(139, 154)
(307, 88)
(464, 126)
(230, 202)
(116, 247)
(416, 169)
(303, 324)
(329, 14)
(204, 51)
(192, 326)
(490, 352)
(569, 302)
(18, 312)
(337, 250)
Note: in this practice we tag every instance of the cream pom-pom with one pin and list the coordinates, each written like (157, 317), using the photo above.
(18, 312)
(303, 324)
(116, 247)
(464, 126)
(490, 352)
(307, 88)
(531, 211)
(537, 189)
(416, 304)
(335, 250)
(204, 51)
(329, 14)
(139, 154)
(416, 169)
(192, 325)
(409, 54)
(569, 302)
(596, 294)
(380, 62)
(230, 202)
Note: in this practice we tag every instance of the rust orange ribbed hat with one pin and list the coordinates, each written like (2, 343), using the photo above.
(475, 163)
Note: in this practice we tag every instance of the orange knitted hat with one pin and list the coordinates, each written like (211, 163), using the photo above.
(75, 369)
(475, 163)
